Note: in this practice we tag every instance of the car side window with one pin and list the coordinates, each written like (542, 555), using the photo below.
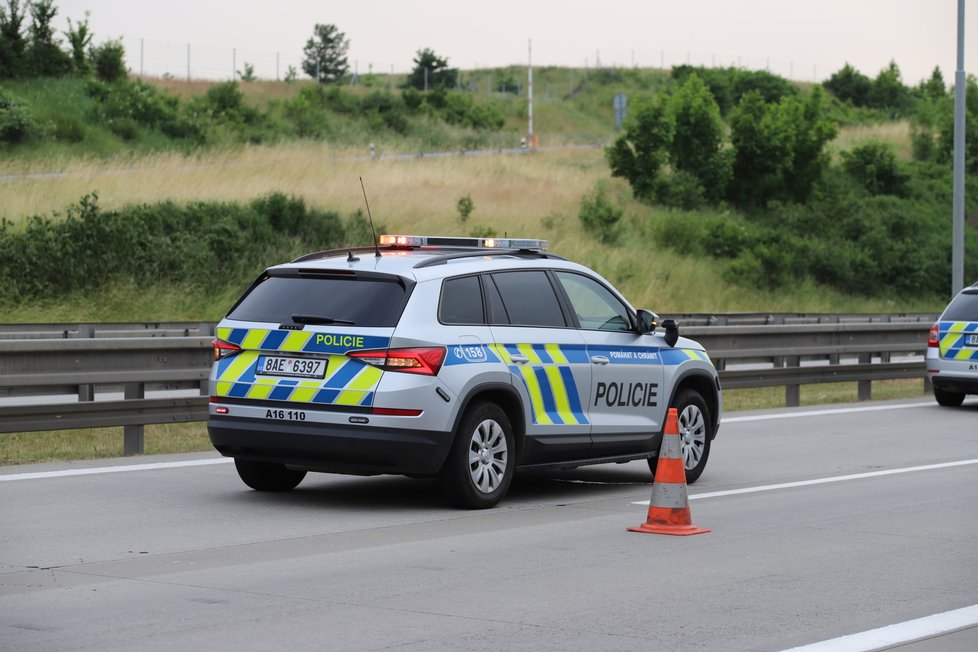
(461, 301)
(596, 307)
(529, 299)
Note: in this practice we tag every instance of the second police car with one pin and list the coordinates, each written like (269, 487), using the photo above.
(465, 359)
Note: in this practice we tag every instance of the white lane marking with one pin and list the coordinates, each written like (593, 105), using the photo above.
(911, 630)
(820, 413)
(838, 478)
(112, 469)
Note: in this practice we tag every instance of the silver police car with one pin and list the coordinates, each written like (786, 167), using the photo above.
(463, 359)
(952, 349)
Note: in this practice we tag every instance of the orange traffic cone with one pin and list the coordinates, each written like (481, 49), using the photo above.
(669, 506)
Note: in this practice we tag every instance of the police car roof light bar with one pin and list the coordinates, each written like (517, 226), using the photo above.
(444, 242)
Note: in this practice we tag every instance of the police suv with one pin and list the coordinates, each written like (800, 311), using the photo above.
(952, 349)
(463, 359)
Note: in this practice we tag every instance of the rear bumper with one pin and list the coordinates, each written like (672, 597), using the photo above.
(955, 384)
(331, 448)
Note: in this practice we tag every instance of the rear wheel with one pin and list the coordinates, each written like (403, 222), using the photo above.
(481, 463)
(265, 476)
(695, 427)
(948, 399)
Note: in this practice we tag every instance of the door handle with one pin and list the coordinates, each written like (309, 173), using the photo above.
(599, 359)
(519, 359)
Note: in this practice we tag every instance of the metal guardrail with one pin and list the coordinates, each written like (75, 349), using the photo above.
(124, 361)
(32, 369)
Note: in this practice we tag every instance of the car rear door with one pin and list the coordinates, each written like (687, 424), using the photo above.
(547, 360)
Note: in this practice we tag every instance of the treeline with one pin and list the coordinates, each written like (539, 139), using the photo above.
(30, 49)
(207, 245)
(755, 149)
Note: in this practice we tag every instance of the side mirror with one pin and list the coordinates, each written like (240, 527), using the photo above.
(672, 331)
(647, 321)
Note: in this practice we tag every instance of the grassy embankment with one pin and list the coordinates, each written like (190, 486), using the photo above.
(533, 195)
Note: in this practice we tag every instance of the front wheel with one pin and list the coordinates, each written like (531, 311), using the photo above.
(265, 476)
(695, 426)
(947, 399)
(480, 466)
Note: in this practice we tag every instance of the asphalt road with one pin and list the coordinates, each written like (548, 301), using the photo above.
(125, 557)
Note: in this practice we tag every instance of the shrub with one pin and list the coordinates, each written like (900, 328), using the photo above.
(210, 244)
(874, 166)
(599, 215)
(464, 206)
(16, 122)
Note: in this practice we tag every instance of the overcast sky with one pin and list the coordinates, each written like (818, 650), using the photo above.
(804, 40)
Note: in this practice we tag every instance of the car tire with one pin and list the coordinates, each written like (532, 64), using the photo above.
(695, 427)
(265, 476)
(481, 463)
(947, 399)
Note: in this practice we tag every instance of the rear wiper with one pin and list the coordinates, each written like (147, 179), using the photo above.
(319, 319)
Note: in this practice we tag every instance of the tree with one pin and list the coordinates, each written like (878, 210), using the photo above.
(779, 149)
(812, 132)
(888, 91)
(945, 140)
(109, 61)
(639, 154)
(248, 74)
(763, 144)
(45, 58)
(431, 72)
(933, 88)
(849, 85)
(13, 46)
(80, 38)
(325, 54)
(697, 143)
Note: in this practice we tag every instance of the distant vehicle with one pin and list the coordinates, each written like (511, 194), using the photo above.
(462, 359)
(952, 349)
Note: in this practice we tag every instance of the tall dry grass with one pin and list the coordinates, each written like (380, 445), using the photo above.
(509, 190)
(523, 195)
(896, 134)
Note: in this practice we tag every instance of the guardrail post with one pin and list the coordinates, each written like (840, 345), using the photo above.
(792, 393)
(133, 435)
(864, 390)
(86, 392)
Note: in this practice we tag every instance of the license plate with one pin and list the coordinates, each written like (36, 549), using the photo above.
(286, 415)
(273, 365)
(972, 340)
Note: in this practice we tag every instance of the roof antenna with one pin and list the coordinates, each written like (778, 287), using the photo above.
(372, 232)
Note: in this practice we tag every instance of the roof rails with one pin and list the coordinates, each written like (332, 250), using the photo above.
(329, 252)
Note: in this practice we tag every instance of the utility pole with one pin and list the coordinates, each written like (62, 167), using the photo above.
(957, 209)
(529, 89)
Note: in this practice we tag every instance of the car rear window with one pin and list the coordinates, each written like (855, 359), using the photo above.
(367, 302)
(963, 307)
(461, 301)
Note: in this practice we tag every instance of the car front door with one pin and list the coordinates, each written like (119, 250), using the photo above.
(625, 404)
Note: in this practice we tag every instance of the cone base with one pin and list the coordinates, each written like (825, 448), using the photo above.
(675, 530)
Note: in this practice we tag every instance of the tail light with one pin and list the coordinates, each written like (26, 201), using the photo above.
(932, 338)
(224, 349)
(424, 361)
